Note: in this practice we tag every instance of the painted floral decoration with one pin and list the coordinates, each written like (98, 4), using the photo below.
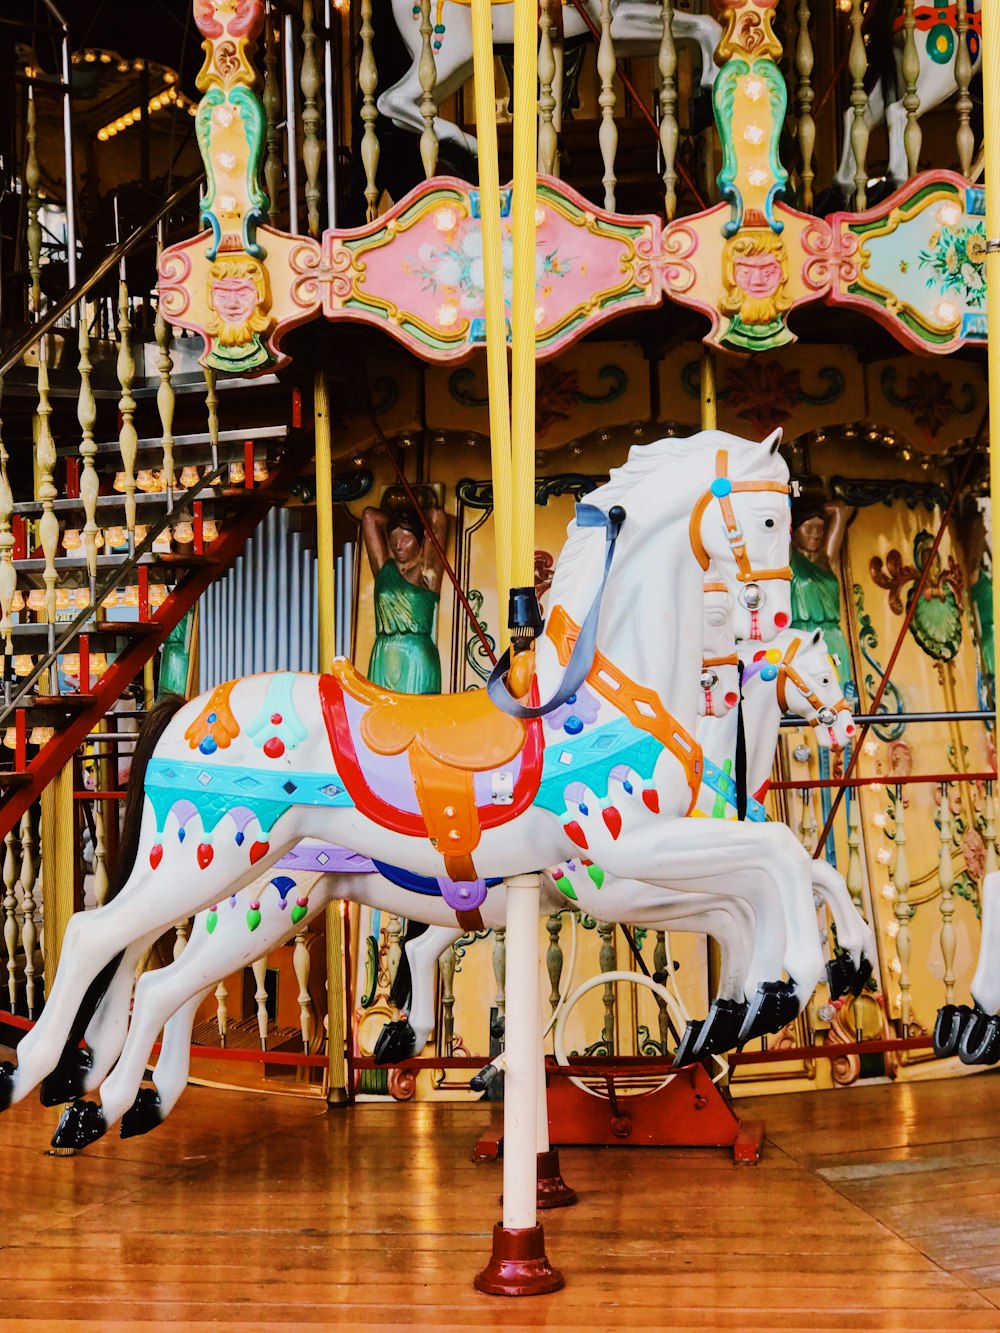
(954, 257)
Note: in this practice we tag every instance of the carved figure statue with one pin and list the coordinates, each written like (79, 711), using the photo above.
(818, 529)
(407, 572)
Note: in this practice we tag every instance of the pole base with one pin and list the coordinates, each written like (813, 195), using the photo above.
(518, 1265)
(552, 1191)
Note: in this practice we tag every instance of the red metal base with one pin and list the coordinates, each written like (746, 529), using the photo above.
(551, 1190)
(518, 1265)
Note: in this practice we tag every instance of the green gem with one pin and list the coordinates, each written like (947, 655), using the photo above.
(564, 886)
(298, 913)
(596, 874)
(253, 918)
(212, 922)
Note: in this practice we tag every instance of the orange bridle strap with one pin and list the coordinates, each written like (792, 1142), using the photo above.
(787, 672)
(722, 489)
(641, 705)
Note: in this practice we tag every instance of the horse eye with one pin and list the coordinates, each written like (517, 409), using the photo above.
(768, 522)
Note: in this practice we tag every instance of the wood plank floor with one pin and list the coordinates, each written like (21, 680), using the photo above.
(872, 1209)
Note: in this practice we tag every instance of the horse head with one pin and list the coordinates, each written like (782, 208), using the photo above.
(807, 685)
(719, 683)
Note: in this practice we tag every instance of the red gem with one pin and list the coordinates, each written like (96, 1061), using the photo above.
(759, 657)
(274, 748)
(155, 855)
(613, 820)
(205, 853)
(276, 719)
(732, 699)
(576, 833)
(781, 619)
(652, 799)
(258, 850)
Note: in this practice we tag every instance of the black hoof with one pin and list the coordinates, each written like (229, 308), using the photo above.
(979, 1043)
(397, 1041)
(144, 1114)
(685, 1051)
(840, 976)
(721, 1028)
(861, 974)
(948, 1028)
(65, 1083)
(7, 1072)
(81, 1123)
(772, 1008)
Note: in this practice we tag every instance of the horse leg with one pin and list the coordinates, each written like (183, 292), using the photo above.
(170, 1075)
(151, 901)
(408, 1035)
(107, 1030)
(854, 935)
(453, 63)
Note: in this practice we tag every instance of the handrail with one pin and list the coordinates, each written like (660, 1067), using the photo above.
(113, 257)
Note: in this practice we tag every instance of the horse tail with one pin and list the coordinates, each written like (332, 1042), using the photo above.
(402, 985)
(880, 19)
(154, 725)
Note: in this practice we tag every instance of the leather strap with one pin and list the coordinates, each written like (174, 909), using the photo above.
(582, 656)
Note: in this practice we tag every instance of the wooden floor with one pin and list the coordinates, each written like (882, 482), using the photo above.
(877, 1208)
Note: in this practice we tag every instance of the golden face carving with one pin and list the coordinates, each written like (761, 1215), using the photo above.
(755, 275)
(238, 300)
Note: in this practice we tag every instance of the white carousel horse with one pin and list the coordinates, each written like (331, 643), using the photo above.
(974, 1033)
(224, 939)
(937, 43)
(289, 757)
(795, 674)
(636, 29)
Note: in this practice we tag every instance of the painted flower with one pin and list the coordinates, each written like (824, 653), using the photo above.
(974, 853)
(446, 315)
(763, 394)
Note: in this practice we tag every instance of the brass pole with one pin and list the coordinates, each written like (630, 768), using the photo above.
(337, 1094)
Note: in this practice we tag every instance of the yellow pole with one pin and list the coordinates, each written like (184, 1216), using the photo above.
(991, 145)
(493, 298)
(524, 294)
(336, 1031)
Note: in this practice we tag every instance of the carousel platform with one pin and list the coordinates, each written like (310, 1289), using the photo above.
(872, 1208)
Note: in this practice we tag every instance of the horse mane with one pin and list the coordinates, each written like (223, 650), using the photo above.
(646, 462)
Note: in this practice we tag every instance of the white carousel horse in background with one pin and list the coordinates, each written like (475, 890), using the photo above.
(974, 1033)
(286, 758)
(636, 29)
(937, 44)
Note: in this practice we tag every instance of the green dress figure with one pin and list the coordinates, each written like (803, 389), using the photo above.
(407, 573)
(817, 535)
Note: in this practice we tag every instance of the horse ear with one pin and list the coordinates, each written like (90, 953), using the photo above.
(773, 440)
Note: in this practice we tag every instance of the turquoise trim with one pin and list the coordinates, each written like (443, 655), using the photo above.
(278, 700)
(215, 790)
(590, 757)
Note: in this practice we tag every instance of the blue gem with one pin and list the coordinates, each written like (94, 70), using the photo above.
(289, 786)
(584, 810)
(768, 672)
(284, 884)
(212, 717)
(240, 835)
(573, 726)
(208, 745)
(571, 699)
(181, 834)
(721, 487)
(628, 787)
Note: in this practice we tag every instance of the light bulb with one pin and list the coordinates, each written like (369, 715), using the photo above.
(190, 476)
(23, 664)
(120, 482)
(36, 600)
(71, 539)
(183, 533)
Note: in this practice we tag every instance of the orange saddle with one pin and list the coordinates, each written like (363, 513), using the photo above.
(469, 765)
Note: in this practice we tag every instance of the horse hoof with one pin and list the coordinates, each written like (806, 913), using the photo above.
(841, 975)
(684, 1054)
(862, 972)
(721, 1029)
(772, 1008)
(81, 1124)
(979, 1038)
(948, 1029)
(144, 1114)
(65, 1082)
(397, 1041)
(7, 1072)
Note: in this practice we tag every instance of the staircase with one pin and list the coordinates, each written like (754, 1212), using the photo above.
(129, 482)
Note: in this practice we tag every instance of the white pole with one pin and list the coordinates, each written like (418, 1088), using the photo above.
(542, 1133)
(521, 1045)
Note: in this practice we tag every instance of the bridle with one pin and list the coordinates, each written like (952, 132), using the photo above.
(709, 675)
(722, 490)
(826, 714)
